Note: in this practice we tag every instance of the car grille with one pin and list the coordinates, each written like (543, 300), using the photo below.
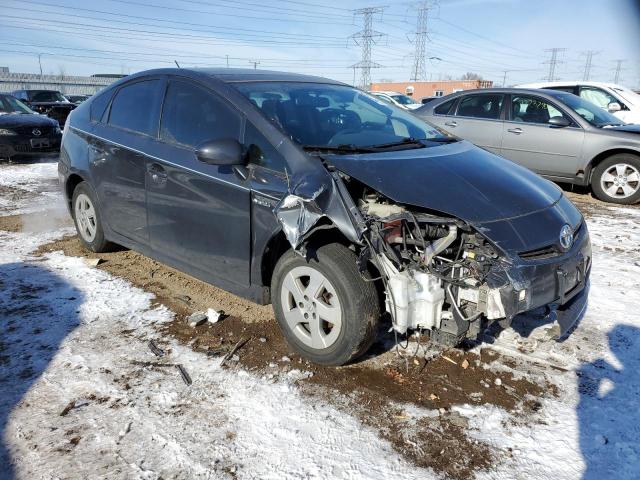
(44, 131)
(548, 251)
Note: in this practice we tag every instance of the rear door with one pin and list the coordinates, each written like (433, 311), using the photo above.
(478, 118)
(117, 160)
(199, 214)
(529, 140)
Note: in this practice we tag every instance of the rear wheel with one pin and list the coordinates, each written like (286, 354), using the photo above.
(325, 309)
(86, 216)
(617, 179)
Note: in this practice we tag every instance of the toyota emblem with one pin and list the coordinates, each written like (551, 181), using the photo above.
(36, 132)
(566, 237)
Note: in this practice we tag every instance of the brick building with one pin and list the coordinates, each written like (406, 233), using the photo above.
(431, 89)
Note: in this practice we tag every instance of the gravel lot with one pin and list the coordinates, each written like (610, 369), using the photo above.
(82, 395)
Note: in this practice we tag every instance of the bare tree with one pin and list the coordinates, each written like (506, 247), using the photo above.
(471, 76)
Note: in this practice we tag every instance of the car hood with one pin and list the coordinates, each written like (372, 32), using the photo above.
(25, 120)
(628, 128)
(458, 179)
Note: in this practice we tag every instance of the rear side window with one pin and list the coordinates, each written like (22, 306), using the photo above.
(98, 106)
(445, 108)
(192, 115)
(486, 106)
(135, 107)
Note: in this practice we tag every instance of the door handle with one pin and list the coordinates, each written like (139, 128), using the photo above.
(158, 173)
(517, 131)
(451, 124)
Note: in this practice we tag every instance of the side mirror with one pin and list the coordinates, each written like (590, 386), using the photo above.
(614, 107)
(559, 122)
(227, 151)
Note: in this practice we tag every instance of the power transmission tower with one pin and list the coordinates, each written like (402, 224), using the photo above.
(366, 38)
(587, 64)
(255, 63)
(619, 69)
(553, 62)
(419, 62)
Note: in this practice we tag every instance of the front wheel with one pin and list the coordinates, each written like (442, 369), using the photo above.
(327, 312)
(617, 179)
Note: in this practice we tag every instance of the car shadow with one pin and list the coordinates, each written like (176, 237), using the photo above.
(39, 310)
(608, 414)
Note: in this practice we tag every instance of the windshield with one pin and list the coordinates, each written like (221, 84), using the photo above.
(46, 96)
(404, 99)
(325, 115)
(590, 112)
(628, 95)
(12, 105)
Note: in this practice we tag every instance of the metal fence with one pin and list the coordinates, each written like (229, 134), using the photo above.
(72, 85)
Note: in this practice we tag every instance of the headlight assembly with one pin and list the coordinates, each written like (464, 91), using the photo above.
(6, 132)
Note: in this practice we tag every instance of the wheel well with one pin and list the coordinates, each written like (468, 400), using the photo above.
(72, 183)
(603, 156)
(323, 233)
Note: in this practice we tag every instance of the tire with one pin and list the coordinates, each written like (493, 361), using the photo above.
(87, 218)
(617, 179)
(342, 291)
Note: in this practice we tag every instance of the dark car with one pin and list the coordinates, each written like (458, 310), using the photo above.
(48, 102)
(323, 200)
(24, 132)
(77, 99)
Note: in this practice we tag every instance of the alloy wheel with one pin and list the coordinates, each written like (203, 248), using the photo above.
(86, 218)
(620, 180)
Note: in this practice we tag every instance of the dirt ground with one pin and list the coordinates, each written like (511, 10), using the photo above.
(379, 389)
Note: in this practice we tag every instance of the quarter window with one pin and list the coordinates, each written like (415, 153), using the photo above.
(192, 115)
(532, 110)
(98, 106)
(136, 106)
(481, 106)
(445, 108)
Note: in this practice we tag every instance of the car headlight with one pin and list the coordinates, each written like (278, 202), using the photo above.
(6, 131)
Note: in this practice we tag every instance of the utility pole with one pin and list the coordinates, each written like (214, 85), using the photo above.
(587, 64)
(504, 77)
(40, 63)
(419, 61)
(553, 62)
(227, 60)
(365, 38)
(619, 69)
(255, 63)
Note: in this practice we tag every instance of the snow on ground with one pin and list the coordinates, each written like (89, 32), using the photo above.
(27, 188)
(74, 334)
(71, 333)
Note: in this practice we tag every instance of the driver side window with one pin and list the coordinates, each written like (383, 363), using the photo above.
(532, 110)
(597, 96)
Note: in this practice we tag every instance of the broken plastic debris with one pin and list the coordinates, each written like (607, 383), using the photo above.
(212, 315)
(196, 319)
(93, 262)
(183, 373)
(465, 364)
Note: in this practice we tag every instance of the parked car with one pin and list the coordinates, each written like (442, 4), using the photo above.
(77, 99)
(623, 102)
(398, 99)
(426, 100)
(317, 197)
(48, 102)
(556, 134)
(24, 132)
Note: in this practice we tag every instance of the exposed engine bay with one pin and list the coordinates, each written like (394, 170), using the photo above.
(434, 268)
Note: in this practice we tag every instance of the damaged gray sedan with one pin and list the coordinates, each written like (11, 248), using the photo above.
(326, 202)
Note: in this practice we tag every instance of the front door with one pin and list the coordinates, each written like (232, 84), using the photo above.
(119, 172)
(529, 140)
(198, 213)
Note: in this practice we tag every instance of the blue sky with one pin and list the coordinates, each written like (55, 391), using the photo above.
(312, 36)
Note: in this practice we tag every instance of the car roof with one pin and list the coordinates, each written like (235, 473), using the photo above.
(385, 92)
(233, 75)
(532, 91)
(570, 83)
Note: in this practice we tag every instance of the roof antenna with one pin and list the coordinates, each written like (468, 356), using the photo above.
(177, 64)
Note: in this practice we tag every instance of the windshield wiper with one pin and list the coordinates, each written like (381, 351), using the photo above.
(443, 139)
(346, 147)
(400, 143)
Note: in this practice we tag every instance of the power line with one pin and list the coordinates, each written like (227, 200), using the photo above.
(419, 61)
(366, 37)
(587, 64)
(619, 62)
(553, 62)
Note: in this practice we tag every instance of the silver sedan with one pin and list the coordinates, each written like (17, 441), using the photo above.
(556, 134)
